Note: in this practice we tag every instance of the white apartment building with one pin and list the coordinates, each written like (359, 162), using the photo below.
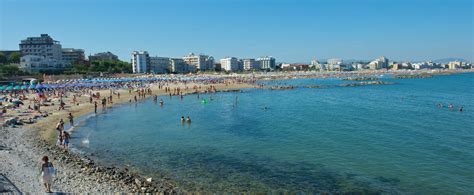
(35, 63)
(267, 62)
(230, 64)
(159, 65)
(250, 64)
(140, 62)
(318, 66)
(178, 65)
(43, 53)
(200, 62)
(379, 63)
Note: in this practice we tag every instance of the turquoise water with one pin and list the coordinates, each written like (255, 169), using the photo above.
(379, 138)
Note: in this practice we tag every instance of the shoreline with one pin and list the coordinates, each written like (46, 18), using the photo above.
(25, 145)
(22, 147)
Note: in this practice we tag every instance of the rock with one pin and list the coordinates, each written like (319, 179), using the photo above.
(138, 182)
(149, 180)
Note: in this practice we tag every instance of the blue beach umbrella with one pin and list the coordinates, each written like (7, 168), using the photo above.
(39, 86)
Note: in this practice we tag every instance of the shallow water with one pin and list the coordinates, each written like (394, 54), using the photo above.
(378, 138)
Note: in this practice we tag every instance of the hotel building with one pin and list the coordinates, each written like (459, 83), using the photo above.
(140, 62)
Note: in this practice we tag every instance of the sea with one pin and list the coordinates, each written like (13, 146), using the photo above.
(400, 138)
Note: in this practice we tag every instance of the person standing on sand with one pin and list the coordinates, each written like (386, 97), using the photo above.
(47, 172)
(71, 119)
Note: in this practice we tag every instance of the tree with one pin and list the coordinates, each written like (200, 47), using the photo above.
(14, 57)
(3, 58)
(10, 70)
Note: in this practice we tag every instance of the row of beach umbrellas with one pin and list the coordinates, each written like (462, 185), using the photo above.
(97, 82)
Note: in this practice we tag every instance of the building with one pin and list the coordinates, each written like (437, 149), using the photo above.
(43, 54)
(103, 56)
(379, 63)
(317, 65)
(454, 65)
(267, 63)
(217, 67)
(140, 62)
(71, 55)
(334, 64)
(358, 66)
(178, 65)
(421, 65)
(335, 61)
(230, 64)
(250, 64)
(159, 65)
(35, 64)
(295, 67)
(200, 62)
(43, 45)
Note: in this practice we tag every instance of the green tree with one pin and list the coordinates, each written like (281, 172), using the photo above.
(3, 58)
(10, 70)
(14, 57)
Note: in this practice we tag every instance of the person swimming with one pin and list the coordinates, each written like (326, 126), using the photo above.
(460, 109)
(188, 120)
(182, 119)
(162, 102)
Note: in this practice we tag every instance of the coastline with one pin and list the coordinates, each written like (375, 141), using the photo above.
(22, 148)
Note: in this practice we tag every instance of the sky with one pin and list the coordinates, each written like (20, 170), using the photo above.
(289, 30)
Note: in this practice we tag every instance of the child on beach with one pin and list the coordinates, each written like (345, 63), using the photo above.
(66, 137)
(47, 172)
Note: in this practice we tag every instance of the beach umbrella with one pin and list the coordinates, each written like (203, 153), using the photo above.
(9, 88)
(24, 87)
(3, 87)
(17, 87)
(39, 86)
(32, 86)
